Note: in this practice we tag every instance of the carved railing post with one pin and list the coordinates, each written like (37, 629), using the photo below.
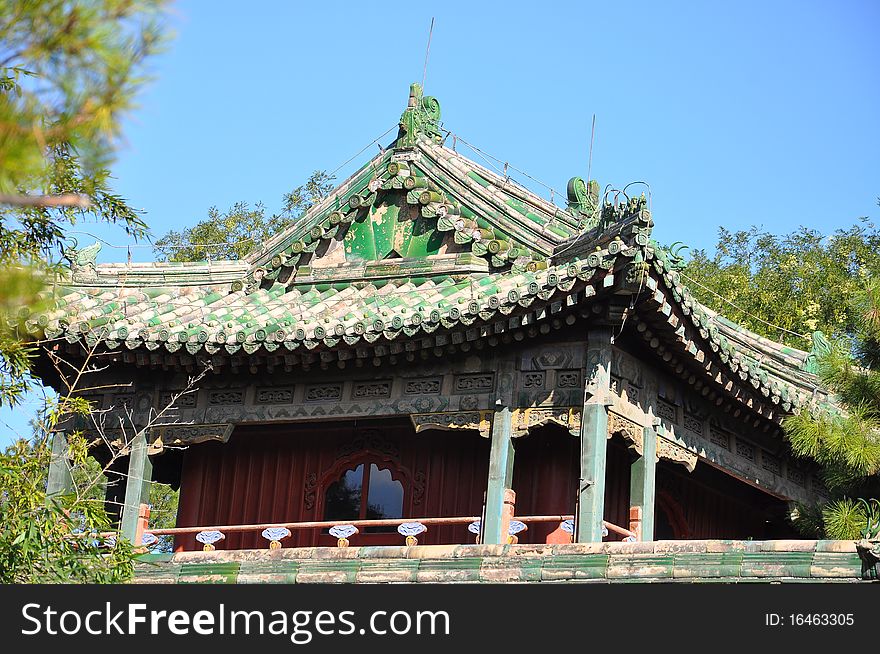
(593, 437)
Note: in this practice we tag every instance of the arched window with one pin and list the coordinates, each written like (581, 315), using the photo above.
(365, 492)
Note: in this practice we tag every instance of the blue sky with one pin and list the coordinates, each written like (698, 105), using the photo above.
(736, 114)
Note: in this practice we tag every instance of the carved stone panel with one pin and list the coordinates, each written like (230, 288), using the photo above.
(553, 357)
(274, 395)
(323, 392)
(771, 462)
(568, 379)
(666, 410)
(185, 401)
(423, 386)
(479, 383)
(373, 389)
(693, 423)
(225, 397)
(533, 380)
(745, 449)
(719, 437)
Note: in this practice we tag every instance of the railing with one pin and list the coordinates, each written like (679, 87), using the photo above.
(409, 528)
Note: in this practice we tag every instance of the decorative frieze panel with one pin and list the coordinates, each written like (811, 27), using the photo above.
(719, 437)
(533, 380)
(568, 379)
(374, 389)
(424, 386)
(666, 410)
(185, 401)
(553, 357)
(453, 420)
(323, 392)
(746, 450)
(274, 395)
(693, 423)
(122, 402)
(216, 398)
(633, 394)
(771, 462)
(796, 475)
(479, 383)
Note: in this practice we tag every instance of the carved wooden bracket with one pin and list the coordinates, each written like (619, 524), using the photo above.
(631, 431)
(453, 420)
(667, 449)
(525, 419)
(183, 435)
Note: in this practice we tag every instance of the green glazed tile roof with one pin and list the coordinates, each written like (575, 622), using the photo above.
(418, 240)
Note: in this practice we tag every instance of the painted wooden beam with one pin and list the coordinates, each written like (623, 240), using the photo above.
(137, 486)
(593, 437)
(60, 480)
(501, 455)
(642, 485)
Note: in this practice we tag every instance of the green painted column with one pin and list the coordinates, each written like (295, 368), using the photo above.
(593, 437)
(137, 485)
(642, 485)
(60, 480)
(501, 454)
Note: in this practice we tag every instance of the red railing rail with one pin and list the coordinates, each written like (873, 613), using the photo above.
(390, 522)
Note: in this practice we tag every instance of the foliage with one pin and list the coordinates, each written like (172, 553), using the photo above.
(235, 233)
(69, 71)
(52, 541)
(796, 281)
(847, 443)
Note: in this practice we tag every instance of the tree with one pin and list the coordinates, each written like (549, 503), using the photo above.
(847, 442)
(235, 233)
(795, 281)
(69, 70)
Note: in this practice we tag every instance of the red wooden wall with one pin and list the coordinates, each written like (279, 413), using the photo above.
(279, 474)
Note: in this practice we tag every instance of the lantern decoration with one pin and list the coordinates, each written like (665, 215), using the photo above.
(411, 530)
(474, 528)
(515, 527)
(342, 533)
(149, 539)
(208, 538)
(274, 536)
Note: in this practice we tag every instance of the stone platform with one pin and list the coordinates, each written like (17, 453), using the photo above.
(692, 561)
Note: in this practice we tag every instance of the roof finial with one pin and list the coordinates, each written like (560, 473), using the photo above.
(422, 116)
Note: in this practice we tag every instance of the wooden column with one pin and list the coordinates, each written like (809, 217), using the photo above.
(137, 486)
(593, 437)
(60, 481)
(500, 478)
(642, 487)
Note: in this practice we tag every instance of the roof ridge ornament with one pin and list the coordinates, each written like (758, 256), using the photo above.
(583, 199)
(422, 116)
